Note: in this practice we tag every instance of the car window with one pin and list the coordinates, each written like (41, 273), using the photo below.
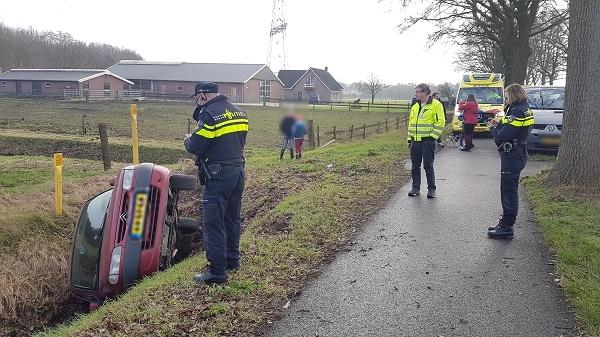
(484, 95)
(88, 241)
(546, 98)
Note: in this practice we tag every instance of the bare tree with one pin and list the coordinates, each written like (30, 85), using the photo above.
(578, 162)
(509, 24)
(28, 48)
(372, 86)
(548, 59)
(448, 90)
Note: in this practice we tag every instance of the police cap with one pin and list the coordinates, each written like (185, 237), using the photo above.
(206, 88)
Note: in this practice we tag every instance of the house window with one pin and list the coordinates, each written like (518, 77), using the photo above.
(106, 88)
(309, 80)
(265, 90)
(299, 95)
(179, 88)
(2, 84)
(144, 85)
(47, 84)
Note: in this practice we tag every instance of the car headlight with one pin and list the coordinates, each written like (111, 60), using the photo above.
(115, 265)
(127, 179)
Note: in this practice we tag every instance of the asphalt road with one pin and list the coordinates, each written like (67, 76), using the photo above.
(426, 268)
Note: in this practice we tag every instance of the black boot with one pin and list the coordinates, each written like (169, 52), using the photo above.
(430, 193)
(300, 155)
(281, 155)
(209, 278)
(291, 154)
(414, 192)
(501, 233)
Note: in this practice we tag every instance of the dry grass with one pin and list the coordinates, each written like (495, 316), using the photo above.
(34, 285)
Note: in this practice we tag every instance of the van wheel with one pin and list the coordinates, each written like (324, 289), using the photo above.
(181, 182)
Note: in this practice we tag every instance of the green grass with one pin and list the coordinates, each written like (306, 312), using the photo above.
(164, 122)
(570, 221)
(311, 211)
(540, 156)
(19, 174)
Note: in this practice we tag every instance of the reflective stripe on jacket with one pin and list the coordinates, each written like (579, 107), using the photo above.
(426, 120)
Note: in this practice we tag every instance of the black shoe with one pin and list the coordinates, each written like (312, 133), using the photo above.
(430, 194)
(414, 192)
(465, 149)
(208, 278)
(501, 233)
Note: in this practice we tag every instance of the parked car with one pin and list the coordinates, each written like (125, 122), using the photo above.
(547, 104)
(128, 232)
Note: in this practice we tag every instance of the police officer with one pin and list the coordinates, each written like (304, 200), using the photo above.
(425, 126)
(218, 142)
(510, 136)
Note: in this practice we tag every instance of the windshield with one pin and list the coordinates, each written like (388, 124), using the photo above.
(546, 98)
(88, 241)
(484, 95)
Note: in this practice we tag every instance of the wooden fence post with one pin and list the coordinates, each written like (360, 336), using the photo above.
(364, 131)
(311, 134)
(386, 125)
(318, 137)
(349, 105)
(102, 130)
(189, 128)
(398, 123)
(83, 128)
(330, 105)
(368, 106)
(378, 127)
(334, 132)
(351, 131)
(388, 107)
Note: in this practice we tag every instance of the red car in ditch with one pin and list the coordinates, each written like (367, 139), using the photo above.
(128, 232)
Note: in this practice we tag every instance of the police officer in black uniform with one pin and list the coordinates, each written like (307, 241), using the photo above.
(511, 138)
(218, 142)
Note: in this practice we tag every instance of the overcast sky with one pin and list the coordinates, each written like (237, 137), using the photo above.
(353, 40)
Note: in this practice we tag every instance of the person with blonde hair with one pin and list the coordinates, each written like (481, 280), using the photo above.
(510, 135)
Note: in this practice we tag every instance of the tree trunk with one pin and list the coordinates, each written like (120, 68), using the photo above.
(516, 57)
(578, 162)
(372, 98)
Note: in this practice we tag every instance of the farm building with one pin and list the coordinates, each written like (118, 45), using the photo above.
(58, 82)
(310, 85)
(246, 83)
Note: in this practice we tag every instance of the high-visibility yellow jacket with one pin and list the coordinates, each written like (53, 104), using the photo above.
(426, 120)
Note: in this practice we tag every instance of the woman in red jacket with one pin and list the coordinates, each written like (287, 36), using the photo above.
(469, 109)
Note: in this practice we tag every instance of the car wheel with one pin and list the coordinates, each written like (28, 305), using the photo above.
(181, 182)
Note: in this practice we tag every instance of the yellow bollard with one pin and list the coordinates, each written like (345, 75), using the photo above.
(58, 183)
(134, 134)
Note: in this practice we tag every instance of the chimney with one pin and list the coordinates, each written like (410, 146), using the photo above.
(327, 68)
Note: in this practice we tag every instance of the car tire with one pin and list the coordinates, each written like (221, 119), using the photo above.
(181, 182)
(188, 225)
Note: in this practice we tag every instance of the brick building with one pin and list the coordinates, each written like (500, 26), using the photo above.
(246, 83)
(54, 82)
(310, 85)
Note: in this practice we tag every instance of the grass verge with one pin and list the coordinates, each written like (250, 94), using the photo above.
(294, 226)
(570, 222)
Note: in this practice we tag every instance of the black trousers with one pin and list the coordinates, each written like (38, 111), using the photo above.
(511, 165)
(468, 130)
(423, 151)
(221, 204)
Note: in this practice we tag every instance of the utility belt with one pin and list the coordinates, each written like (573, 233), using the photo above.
(508, 146)
(209, 170)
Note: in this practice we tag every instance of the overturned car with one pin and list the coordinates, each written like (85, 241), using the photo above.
(128, 232)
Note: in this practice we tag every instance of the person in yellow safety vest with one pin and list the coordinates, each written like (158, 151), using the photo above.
(425, 126)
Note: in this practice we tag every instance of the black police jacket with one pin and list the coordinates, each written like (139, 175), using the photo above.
(515, 124)
(220, 135)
